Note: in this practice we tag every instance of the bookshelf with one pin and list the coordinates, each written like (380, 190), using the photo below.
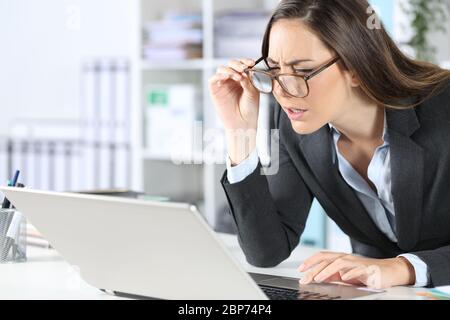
(198, 182)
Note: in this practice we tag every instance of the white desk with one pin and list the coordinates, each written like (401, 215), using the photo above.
(47, 276)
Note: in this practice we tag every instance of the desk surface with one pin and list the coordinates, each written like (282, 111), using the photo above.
(47, 276)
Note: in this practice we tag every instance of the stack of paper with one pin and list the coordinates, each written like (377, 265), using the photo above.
(175, 37)
(171, 114)
(239, 34)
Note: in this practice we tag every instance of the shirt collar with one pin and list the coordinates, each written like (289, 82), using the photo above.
(333, 130)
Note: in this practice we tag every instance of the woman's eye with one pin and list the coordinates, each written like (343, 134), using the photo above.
(273, 70)
(303, 71)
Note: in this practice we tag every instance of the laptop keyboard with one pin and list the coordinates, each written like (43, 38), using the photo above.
(293, 294)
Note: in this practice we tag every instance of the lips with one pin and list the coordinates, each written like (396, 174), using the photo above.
(295, 114)
(296, 110)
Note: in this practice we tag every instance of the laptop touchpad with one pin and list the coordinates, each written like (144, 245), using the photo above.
(330, 289)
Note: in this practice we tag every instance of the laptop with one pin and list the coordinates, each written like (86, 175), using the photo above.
(147, 249)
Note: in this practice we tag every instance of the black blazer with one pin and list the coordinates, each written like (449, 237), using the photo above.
(270, 211)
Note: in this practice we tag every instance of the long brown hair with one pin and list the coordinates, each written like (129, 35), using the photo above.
(387, 76)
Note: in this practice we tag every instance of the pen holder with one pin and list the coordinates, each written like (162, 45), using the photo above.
(12, 236)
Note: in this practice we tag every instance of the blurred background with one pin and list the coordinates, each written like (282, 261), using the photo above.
(112, 94)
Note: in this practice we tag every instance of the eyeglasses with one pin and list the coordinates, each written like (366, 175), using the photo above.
(293, 84)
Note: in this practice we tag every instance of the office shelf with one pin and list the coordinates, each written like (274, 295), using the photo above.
(195, 64)
(149, 164)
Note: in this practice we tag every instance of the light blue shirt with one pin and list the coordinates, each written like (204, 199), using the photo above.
(379, 205)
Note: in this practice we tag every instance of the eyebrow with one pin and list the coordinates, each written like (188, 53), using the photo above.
(290, 63)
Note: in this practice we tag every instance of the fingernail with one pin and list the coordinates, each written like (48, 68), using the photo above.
(304, 280)
(302, 267)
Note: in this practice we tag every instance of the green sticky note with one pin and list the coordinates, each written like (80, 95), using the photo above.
(158, 98)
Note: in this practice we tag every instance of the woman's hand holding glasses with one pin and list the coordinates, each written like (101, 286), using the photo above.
(237, 103)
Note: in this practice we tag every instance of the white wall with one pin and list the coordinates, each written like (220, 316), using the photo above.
(43, 44)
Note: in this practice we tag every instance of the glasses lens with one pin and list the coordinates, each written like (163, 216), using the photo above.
(261, 81)
(295, 86)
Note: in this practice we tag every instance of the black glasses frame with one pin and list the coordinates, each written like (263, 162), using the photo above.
(306, 78)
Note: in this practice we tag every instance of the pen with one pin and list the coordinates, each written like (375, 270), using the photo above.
(15, 178)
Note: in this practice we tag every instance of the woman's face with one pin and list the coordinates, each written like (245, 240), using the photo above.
(330, 91)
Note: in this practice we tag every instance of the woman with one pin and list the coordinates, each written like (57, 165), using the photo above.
(362, 128)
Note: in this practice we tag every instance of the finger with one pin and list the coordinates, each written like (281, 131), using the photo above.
(247, 84)
(333, 268)
(248, 62)
(309, 277)
(354, 273)
(218, 78)
(371, 276)
(244, 79)
(238, 65)
(334, 278)
(337, 278)
(236, 76)
(215, 82)
(317, 258)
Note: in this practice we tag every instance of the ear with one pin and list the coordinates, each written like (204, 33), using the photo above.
(352, 79)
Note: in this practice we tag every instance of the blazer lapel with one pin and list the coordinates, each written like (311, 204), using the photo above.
(407, 169)
(317, 151)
